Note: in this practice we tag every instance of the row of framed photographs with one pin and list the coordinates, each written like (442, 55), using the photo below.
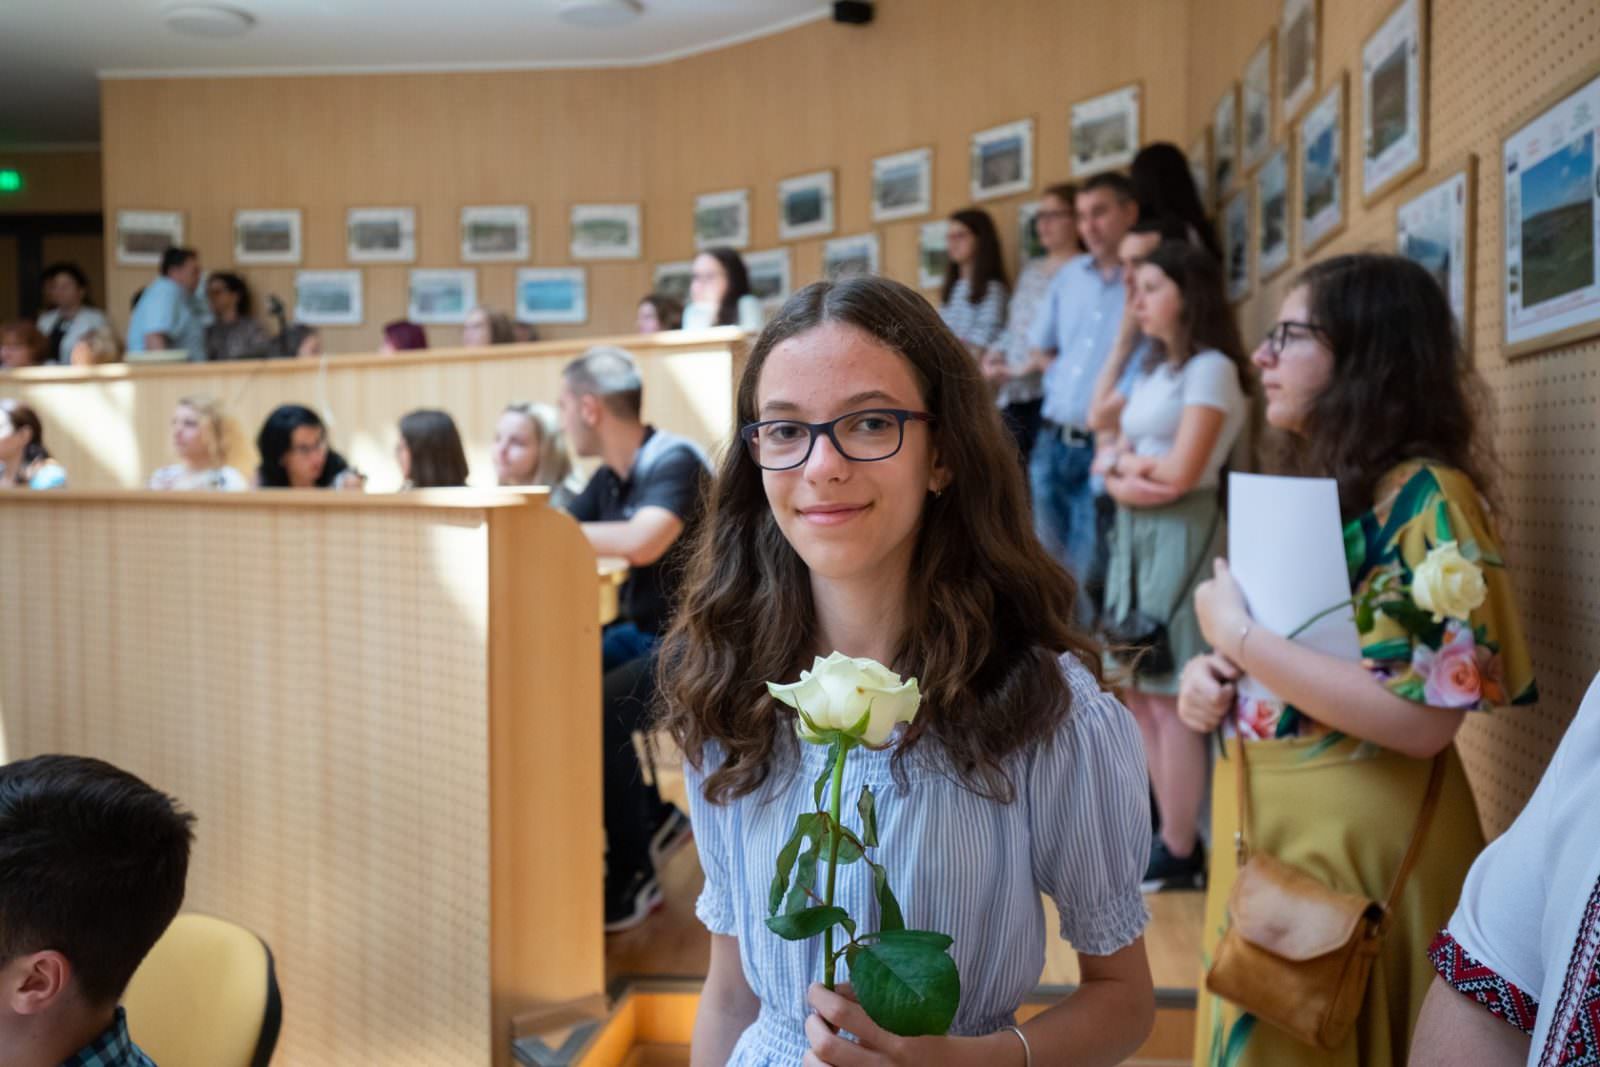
(489, 234)
(1104, 134)
(1393, 102)
(1550, 171)
(443, 296)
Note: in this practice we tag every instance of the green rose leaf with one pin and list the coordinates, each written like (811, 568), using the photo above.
(799, 925)
(869, 817)
(804, 828)
(921, 937)
(889, 918)
(821, 786)
(805, 880)
(907, 985)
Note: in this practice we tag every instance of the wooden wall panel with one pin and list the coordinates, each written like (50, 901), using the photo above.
(53, 182)
(927, 73)
(1488, 64)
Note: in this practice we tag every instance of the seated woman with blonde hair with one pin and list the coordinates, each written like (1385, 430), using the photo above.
(199, 439)
(531, 449)
(98, 345)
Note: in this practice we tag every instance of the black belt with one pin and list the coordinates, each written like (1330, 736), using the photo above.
(1069, 435)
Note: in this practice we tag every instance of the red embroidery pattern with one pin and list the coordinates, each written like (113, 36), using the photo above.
(1574, 1037)
(1471, 978)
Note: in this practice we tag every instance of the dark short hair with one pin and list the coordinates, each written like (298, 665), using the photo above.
(92, 865)
(1164, 226)
(71, 270)
(1114, 180)
(277, 433)
(405, 335)
(175, 257)
(437, 458)
(609, 374)
(1164, 185)
(235, 285)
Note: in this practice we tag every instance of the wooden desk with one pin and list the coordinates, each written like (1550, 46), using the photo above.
(613, 572)
(368, 703)
(110, 425)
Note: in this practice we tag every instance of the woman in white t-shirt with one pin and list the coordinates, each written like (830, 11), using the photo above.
(199, 437)
(719, 293)
(1183, 415)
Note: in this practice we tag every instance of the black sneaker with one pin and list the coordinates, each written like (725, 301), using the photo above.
(1167, 871)
(671, 834)
(631, 903)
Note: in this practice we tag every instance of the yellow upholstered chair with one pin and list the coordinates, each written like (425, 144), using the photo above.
(205, 996)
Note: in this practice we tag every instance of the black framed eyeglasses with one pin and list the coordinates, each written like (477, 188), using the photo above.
(859, 436)
(1281, 332)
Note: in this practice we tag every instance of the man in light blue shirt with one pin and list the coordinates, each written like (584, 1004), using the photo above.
(1072, 334)
(168, 314)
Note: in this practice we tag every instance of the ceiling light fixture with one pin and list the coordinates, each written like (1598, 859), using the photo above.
(599, 14)
(208, 20)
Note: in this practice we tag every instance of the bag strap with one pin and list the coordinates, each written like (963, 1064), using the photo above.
(1430, 802)
(1194, 568)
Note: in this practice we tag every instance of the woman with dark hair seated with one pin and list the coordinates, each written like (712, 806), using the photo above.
(295, 455)
(402, 335)
(658, 313)
(24, 461)
(719, 293)
(71, 317)
(429, 451)
(233, 333)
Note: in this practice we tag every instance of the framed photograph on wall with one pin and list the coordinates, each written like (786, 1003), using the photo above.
(557, 295)
(770, 277)
(143, 235)
(1551, 279)
(1320, 141)
(441, 297)
(805, 206)
(1272, 215)
(1297, 56)
(722, 220)
(1029, 246)
(606, 231)
(1236, 245)
(902, 185)
(327, 297)
(266, 236)
(1393, 110)
(1002, 160)
(1255, 101)
(933, 254)
(844, 256)
(1200, 168)
(380, 235)
(1104, 133)
(672, 279)
(497, 233)
(1436, 228)
(1225, 143)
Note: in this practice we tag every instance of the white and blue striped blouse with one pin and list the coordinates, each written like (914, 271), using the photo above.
(1078, 832)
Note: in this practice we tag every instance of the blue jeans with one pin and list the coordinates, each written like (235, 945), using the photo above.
(1063, 507)
(623, 641)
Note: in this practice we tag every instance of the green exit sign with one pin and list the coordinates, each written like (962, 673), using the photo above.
(10, 180)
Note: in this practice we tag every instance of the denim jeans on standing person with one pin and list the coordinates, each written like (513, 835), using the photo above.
(623, 641)
(1063, 507)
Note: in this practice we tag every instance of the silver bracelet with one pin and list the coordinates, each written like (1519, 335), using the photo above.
(1027, 1049)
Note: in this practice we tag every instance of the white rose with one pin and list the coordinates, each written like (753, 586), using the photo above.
(1448, 584)
(860, 697)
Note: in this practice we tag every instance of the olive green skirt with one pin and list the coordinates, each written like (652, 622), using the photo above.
(1157, 549)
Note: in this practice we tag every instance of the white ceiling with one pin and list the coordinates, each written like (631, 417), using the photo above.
(51, 51)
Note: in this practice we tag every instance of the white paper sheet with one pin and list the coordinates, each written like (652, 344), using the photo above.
(1286, 548)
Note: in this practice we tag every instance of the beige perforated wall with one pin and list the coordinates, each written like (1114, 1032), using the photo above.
(1491, 63)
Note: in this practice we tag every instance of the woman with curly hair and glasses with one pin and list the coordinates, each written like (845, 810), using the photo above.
(876, 509)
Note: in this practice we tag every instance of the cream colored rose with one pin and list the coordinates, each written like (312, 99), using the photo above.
(860, 697)
(1448, 584)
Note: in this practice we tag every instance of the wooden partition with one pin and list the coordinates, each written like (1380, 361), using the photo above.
(110, 425)
(384, 712)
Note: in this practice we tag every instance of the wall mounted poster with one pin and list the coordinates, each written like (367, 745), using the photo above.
(1105, 131)
(1320, 142)
(143, 235)
(1552, 213)
(1436, 229)
(722, 220)
(1029, 246)
(1236, 245)
(266, 236)
(1255, 101)
(499, 232)
(442, 297)
(1200, 168)
(1002, 160)
(380, 234)
(1272, 215)
(805, 206)
(672, 279)
(1225, 143)
(1392, 106)
(327, 297)
(606, 231)
(770, 277)
(844, 256)
(1297, 56)
(933, 256)
(902, 185)
(558, 295)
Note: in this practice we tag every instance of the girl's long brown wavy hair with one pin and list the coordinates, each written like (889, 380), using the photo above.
(989, 611)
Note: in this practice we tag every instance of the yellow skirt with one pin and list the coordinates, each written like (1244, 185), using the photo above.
(1344, 812)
